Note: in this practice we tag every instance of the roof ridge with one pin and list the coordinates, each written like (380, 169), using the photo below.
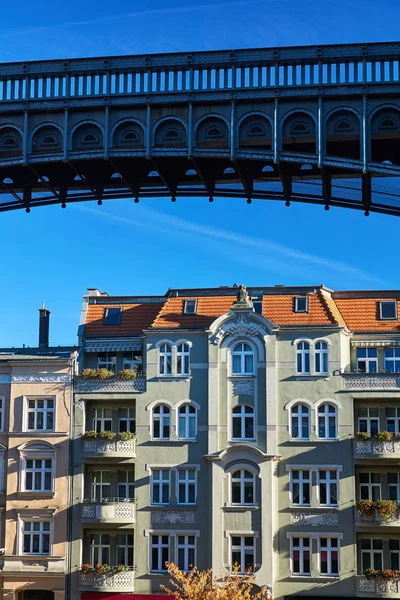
(324, 294)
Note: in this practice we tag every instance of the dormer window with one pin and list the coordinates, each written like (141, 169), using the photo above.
(190, 307)
(301, 304)
(112, 316)
(388, 310)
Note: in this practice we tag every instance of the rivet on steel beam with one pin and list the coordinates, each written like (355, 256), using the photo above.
(28, 210)
(211, 199)
(99, 202)
(173, 199)
(63, 205)
(366, 213)
(287, 203)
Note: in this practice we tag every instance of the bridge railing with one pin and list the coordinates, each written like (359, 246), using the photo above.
(177, 73)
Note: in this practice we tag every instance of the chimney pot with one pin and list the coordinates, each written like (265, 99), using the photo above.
(44, 323)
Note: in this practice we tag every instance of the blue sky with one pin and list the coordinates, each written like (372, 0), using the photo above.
(53, 255)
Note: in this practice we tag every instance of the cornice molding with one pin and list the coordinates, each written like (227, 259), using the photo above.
(35, 378)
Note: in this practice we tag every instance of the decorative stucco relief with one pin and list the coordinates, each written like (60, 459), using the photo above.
(171, 517)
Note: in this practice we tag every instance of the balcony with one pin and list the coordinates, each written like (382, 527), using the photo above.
(109, 510)
(114, 384)
(107, 582)
(358, 381)
(97, 448)
(38, 564)
(376, 586)
(377, 449)
(375, 519)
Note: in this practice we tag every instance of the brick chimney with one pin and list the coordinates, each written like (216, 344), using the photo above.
(44, 323)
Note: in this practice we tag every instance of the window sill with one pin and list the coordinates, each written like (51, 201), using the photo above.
(308, 507)
(311, 376)
(316, 577)
(158, 574)
(311, 441)
(169, 441)
(243, 376)
(240, 507)
(173, 506)
(173, 377)
(243, 441)
(36, 494)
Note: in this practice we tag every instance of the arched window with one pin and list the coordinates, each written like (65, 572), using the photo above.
(387, 123)
(172, 134)
(49, 140)
(327, 421)
(300, 422)
(161, 422)
(242, 359)
(9, 142)
(165, 359)
(255, 130)
(242, 487)
(130, 136)
(321, 357)
(187, 422)
(243, 422)
(298, 127)
(182, 359)
(303, 358)
(343, 126)
(213, 133)
(89, 139)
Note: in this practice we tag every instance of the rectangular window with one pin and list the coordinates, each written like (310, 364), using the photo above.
(100, 549)
(36, 537)
(190, 307)
(102, 420)
(159, 553)
(394, 548)
(107, 361)
(187, 484)
(300, 485)
(242, 553)
(328, 487)
(160, 486)
(40, 414)
(367, 360)
(301, 556)
(393, 419)
(392, 360)
(124, 550)
(371, 554)
(126, 485)
(301, 304)
(101, 485)
(127, 420)
(394, 486)
(370, 486)
(38, 475)
(368, 420)
(112, 316)
(133, 360)
(388, 310)
(329, 556)
(186, 547)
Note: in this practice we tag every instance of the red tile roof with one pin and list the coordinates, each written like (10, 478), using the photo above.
(134, 318)
(209, 308)
(362, 314)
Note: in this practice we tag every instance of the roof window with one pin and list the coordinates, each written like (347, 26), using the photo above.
(301, 304)
(190, 307)
(388, 310)
(112, 316)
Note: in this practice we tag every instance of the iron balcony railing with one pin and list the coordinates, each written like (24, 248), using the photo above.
(200, 72)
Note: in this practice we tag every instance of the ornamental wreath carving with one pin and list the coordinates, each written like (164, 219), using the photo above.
(170, 517)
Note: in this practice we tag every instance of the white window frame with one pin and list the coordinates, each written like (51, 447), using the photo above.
(242, 416)
(371, 552)
(41, 532)
(181, 355)
(129, 419)
(110, 363)
(395, 486)
(187, 416)
(186, 483)
(35, 410)
(32, 451)
(165, 352)
(300, 416)
(99, 546)
(396, 419)
(243, 353)
(381, 303)
(326, 416)
(330, 483)
(186, 304)
(368, 360)
(302, 481)
(303, 349)
(128, 485)
(42, 471)
(329, 549)
(160, 482)
(160, 545)
(394, 551)
(242, 548)
(164, 415)
(186, 547)
(301, 549)
(126, 547)
(99, 418)
(242, 479)
(296, 304)
(391, 359)
(370, 486)
(100, 485)
(368, 418)
(321, 349)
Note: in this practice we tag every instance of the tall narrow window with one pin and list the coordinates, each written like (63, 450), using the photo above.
(370, 486)
(242, 553)
(243, 422)
(160, 486)
(38, 475)
(161, 422)
(394, 549)
(40, 414)
(392, 360)
(101, 485)
(126, 485)
(242, 487)
(394, 486)
(159, 553)
(102, 419)
(100, 549)
(301, 556)
(186, 547)
(242, 359)
(36, 537)
(328, 487)
(368, 420)
(327, 422)
(371, 554)
(182, 359)
(367, 360)
(187, 422)
(165, 359)
(126, 420)
(300, 422)
(393, 419)
(124, 549)
(303, 358)
(187, 486)
(321, 358)
(329, 556)
(300, 485)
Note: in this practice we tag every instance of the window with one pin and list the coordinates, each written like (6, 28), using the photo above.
(394, 486)
(367, 360)
(190, 307)
(101, 485)
(187, 418)
(393, 419)
(161, 422)
(370, 486)
(328, 487)
(388, 310)
(127, 420)
(300, 422)
(182, 359)
(159, 553)
(368, 420)
(38, 475)
(100, 549)
(132, 360)
(112, 316)
(187, 486)
(242, 553)
(392, 360)
(300, 486)
(243, 422)
(107, 361)
(242, 359)
(371, 554)
(124, 551)
(160, 486)
(327, 422)
(257, 306)
(1, 413)
(36, 537)
(186, 547)
(126, 485)
(321, 358)
(301, 556)
(394, 549)
(165, 359)
(102, 419)
(303, 358)
(329, 556)
(242, 487)
(40, 414)
(301, 304)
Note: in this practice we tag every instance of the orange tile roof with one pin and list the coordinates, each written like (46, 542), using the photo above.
(278, 308)
(134, 318)
(333, 309)
(209, 308)
(362, 314)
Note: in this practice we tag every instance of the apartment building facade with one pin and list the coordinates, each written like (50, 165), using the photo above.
(222, 429)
